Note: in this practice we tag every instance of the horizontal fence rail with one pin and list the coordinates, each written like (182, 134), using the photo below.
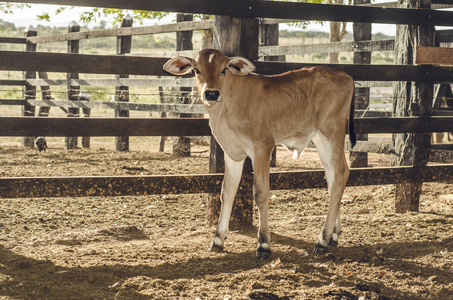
(135, 65)
(275, 9)
(26, 187)
(162, 82)
(360, 46)
(156, 107)
(124, 31)
(35, 126)
(13, 40)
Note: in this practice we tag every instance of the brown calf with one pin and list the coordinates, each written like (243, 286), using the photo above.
(250, 113)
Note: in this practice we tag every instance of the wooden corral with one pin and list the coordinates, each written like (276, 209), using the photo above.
(419, 122)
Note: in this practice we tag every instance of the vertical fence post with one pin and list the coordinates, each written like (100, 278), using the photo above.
(86, 141)
(269, 37)
(123, 46)
(411, 99)
(162, 115)
(46, 95)
(181, 145)
(29, 92)
(362, 31)
(73, 89)
(233, 36)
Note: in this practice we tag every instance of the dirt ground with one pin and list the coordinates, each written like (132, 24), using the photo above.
(155, 247)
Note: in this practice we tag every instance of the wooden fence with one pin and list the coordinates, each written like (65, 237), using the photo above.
(422, 75)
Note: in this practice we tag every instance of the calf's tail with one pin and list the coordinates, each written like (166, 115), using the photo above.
(352, 136)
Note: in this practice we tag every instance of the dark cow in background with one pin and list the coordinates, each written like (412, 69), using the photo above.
(41, 143)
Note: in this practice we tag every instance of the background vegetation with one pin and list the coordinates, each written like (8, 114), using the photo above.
(146, 44)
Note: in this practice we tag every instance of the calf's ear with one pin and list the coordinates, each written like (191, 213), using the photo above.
(179, 65)
(240, 65)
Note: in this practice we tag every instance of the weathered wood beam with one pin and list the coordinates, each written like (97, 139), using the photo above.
(158, 107)
(12, 102)
(17, 126)
(133, 65)
(12, 82)
(425, 73)
(81, 63)
(124, 31)
(35, 126)
(434, 56)
(441, 4)
(12, 40)
(274, 9)
(27, 187)
(359, 46)
(164, 82)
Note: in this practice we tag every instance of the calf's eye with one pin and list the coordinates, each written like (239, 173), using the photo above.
(224, 71)
(197, 71)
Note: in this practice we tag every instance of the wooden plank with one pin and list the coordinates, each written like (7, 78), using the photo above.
(71, 141)
(133, 65)
(443, 112)
(12, 40)
(274, 9)
(108, 186)
(29, 92)
(361, 33)
(434, 56)
(164, 82)
(18, 126)
(169, 54)
(373, 83)
(359, 46)
(123, 45)
(123, 31)
(424, 73)
(81, 63)
(12, 82)
(444, 4)
(12, 102)
(181, 144)
(158, 107)
(34, 126)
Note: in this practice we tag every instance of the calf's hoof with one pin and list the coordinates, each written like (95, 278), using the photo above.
(215, 248)
(320, 249)
(333, 243)
(262, 253)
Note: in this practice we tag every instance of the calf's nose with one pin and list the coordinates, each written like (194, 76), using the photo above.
(212, 95)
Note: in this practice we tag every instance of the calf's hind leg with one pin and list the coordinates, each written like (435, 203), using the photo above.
(331, 153)
(261, 193)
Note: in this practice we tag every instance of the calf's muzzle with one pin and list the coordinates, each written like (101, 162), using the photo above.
(212, 95)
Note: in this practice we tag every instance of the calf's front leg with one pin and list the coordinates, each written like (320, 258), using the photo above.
(233, 173)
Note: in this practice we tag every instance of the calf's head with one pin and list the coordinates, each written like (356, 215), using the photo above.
(211, 68)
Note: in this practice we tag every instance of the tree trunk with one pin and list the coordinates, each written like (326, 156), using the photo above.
(233, 37)
(411, 99)
(337, 32)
